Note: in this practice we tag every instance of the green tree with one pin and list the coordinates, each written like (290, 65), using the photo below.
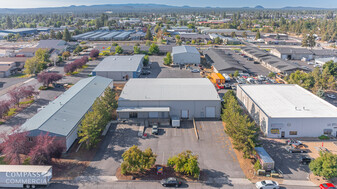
(154, 49)
(185, 163)
(258, 35)
(244, 35)
(325, 165)
(9, 23)
(146, 60)
(119, 50)
(308, 41)
(271, 74)
(37, 63)
(65, 55)
(52, 34)
(148, 35)
(59, 35)
(168, 59)
(135, 160)
(89, 130)
(236, 73)
(78, 49)
(217, 40)
(136, 50)
(66, 35)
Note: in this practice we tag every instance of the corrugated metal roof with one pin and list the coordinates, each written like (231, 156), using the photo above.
(169, 89)
(143, 109)
(289, 101)
(63, 114)
(120, 63)
(264, 155)
(184, 49)
(25, 168)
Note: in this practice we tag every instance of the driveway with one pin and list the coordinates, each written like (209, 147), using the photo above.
(216, 157)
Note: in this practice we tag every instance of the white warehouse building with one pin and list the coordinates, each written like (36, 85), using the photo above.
(284, 111)
(185, 55)
(184, 98)
(120, 68)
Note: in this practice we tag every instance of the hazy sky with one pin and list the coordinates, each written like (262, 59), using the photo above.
(196, 3)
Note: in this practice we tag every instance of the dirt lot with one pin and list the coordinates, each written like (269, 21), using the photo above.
(314, 147)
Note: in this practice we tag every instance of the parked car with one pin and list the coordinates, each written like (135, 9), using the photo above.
(195, 71)
(327, 186)
(146, 72)
(311, 63)
(233, 87)
(147, 67)
(171, 181)
(267, 184)
(305, 160)
(294, 142)
(291, 149)
(155, 129)
(227, 86)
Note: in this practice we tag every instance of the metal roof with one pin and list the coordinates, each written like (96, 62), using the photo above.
(294, 51)
(263, 155)
(222, 61)
(184, 49)
(289, 101)
(143, 109)
(120, 63)
(52, 44)
(169, 89)
(63, 114)
(25, 168)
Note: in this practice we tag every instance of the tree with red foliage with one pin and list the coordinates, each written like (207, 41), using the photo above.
(45, 148)
(13, 145)
(19, 93)
(4, 107)
(48, 78)
(94, 53)
(85, 59)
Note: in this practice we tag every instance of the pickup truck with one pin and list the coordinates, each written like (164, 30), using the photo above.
(291, 149)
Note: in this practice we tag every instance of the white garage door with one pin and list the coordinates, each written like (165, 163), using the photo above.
(184, 113)
(210, 112)
(153, 114)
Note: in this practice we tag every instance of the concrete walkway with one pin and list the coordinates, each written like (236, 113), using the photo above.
(297, 183)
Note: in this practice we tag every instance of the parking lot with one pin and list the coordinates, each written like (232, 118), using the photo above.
(159, 70)
(216, 157)
(287, 162)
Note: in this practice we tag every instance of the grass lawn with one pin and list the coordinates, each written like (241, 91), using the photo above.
(11, 112)
(26, 102)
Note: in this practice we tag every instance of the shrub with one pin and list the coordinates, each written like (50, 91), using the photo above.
(185, 163)
(257, 165)
(94, 53)
(323, 137)
(325, 165)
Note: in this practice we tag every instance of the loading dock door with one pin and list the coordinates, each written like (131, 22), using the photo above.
(153, 114)
(184, 113)
(210, 112)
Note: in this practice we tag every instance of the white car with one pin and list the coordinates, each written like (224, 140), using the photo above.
(267, 184)
(311, 63)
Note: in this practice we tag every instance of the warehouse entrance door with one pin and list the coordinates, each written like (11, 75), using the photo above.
(184, 114)
(210, 112)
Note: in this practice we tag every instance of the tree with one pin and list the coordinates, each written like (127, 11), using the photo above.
(48, 78)
(154, 49)
(325, 165)
(135, 160)
(168, 59)
(217, 40)
(78, 49)
(4, 108)
(118, 50)
(271, 74)
(45, 148)
(65, 55)
(94, 53)
(9, 23)
(148, 35)
(14, 144)
(308, 41)
(146, 60)
(236, 73)
(37, 63)
(52, 34)
(185, 163)
(244, 35)
(136, 50)
(66, 35)
(258, 35)
(233, 34)
(148, 43)
(18, 93)
(59, 35)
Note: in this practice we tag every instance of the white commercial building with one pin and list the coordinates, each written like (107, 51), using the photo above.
(185, 55)
(288, 111)
(120, 68)
(185, 98)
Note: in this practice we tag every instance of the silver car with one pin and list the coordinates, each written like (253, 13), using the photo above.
(267, 184)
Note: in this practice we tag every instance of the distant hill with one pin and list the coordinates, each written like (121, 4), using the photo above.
(259, 7)
(302, 8)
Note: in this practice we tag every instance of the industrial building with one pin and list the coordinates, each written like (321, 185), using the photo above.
(222, 62)
(269, 61)
(21, 31)
(185, 98)
(120, 68)
(62, 116)
(284, 111)
(302, 53)
(185, 55)
(104, 35)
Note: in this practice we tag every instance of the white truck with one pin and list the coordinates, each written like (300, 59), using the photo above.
(24, 176)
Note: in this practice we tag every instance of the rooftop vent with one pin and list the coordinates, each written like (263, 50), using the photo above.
(297, 109)
(305, 109)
